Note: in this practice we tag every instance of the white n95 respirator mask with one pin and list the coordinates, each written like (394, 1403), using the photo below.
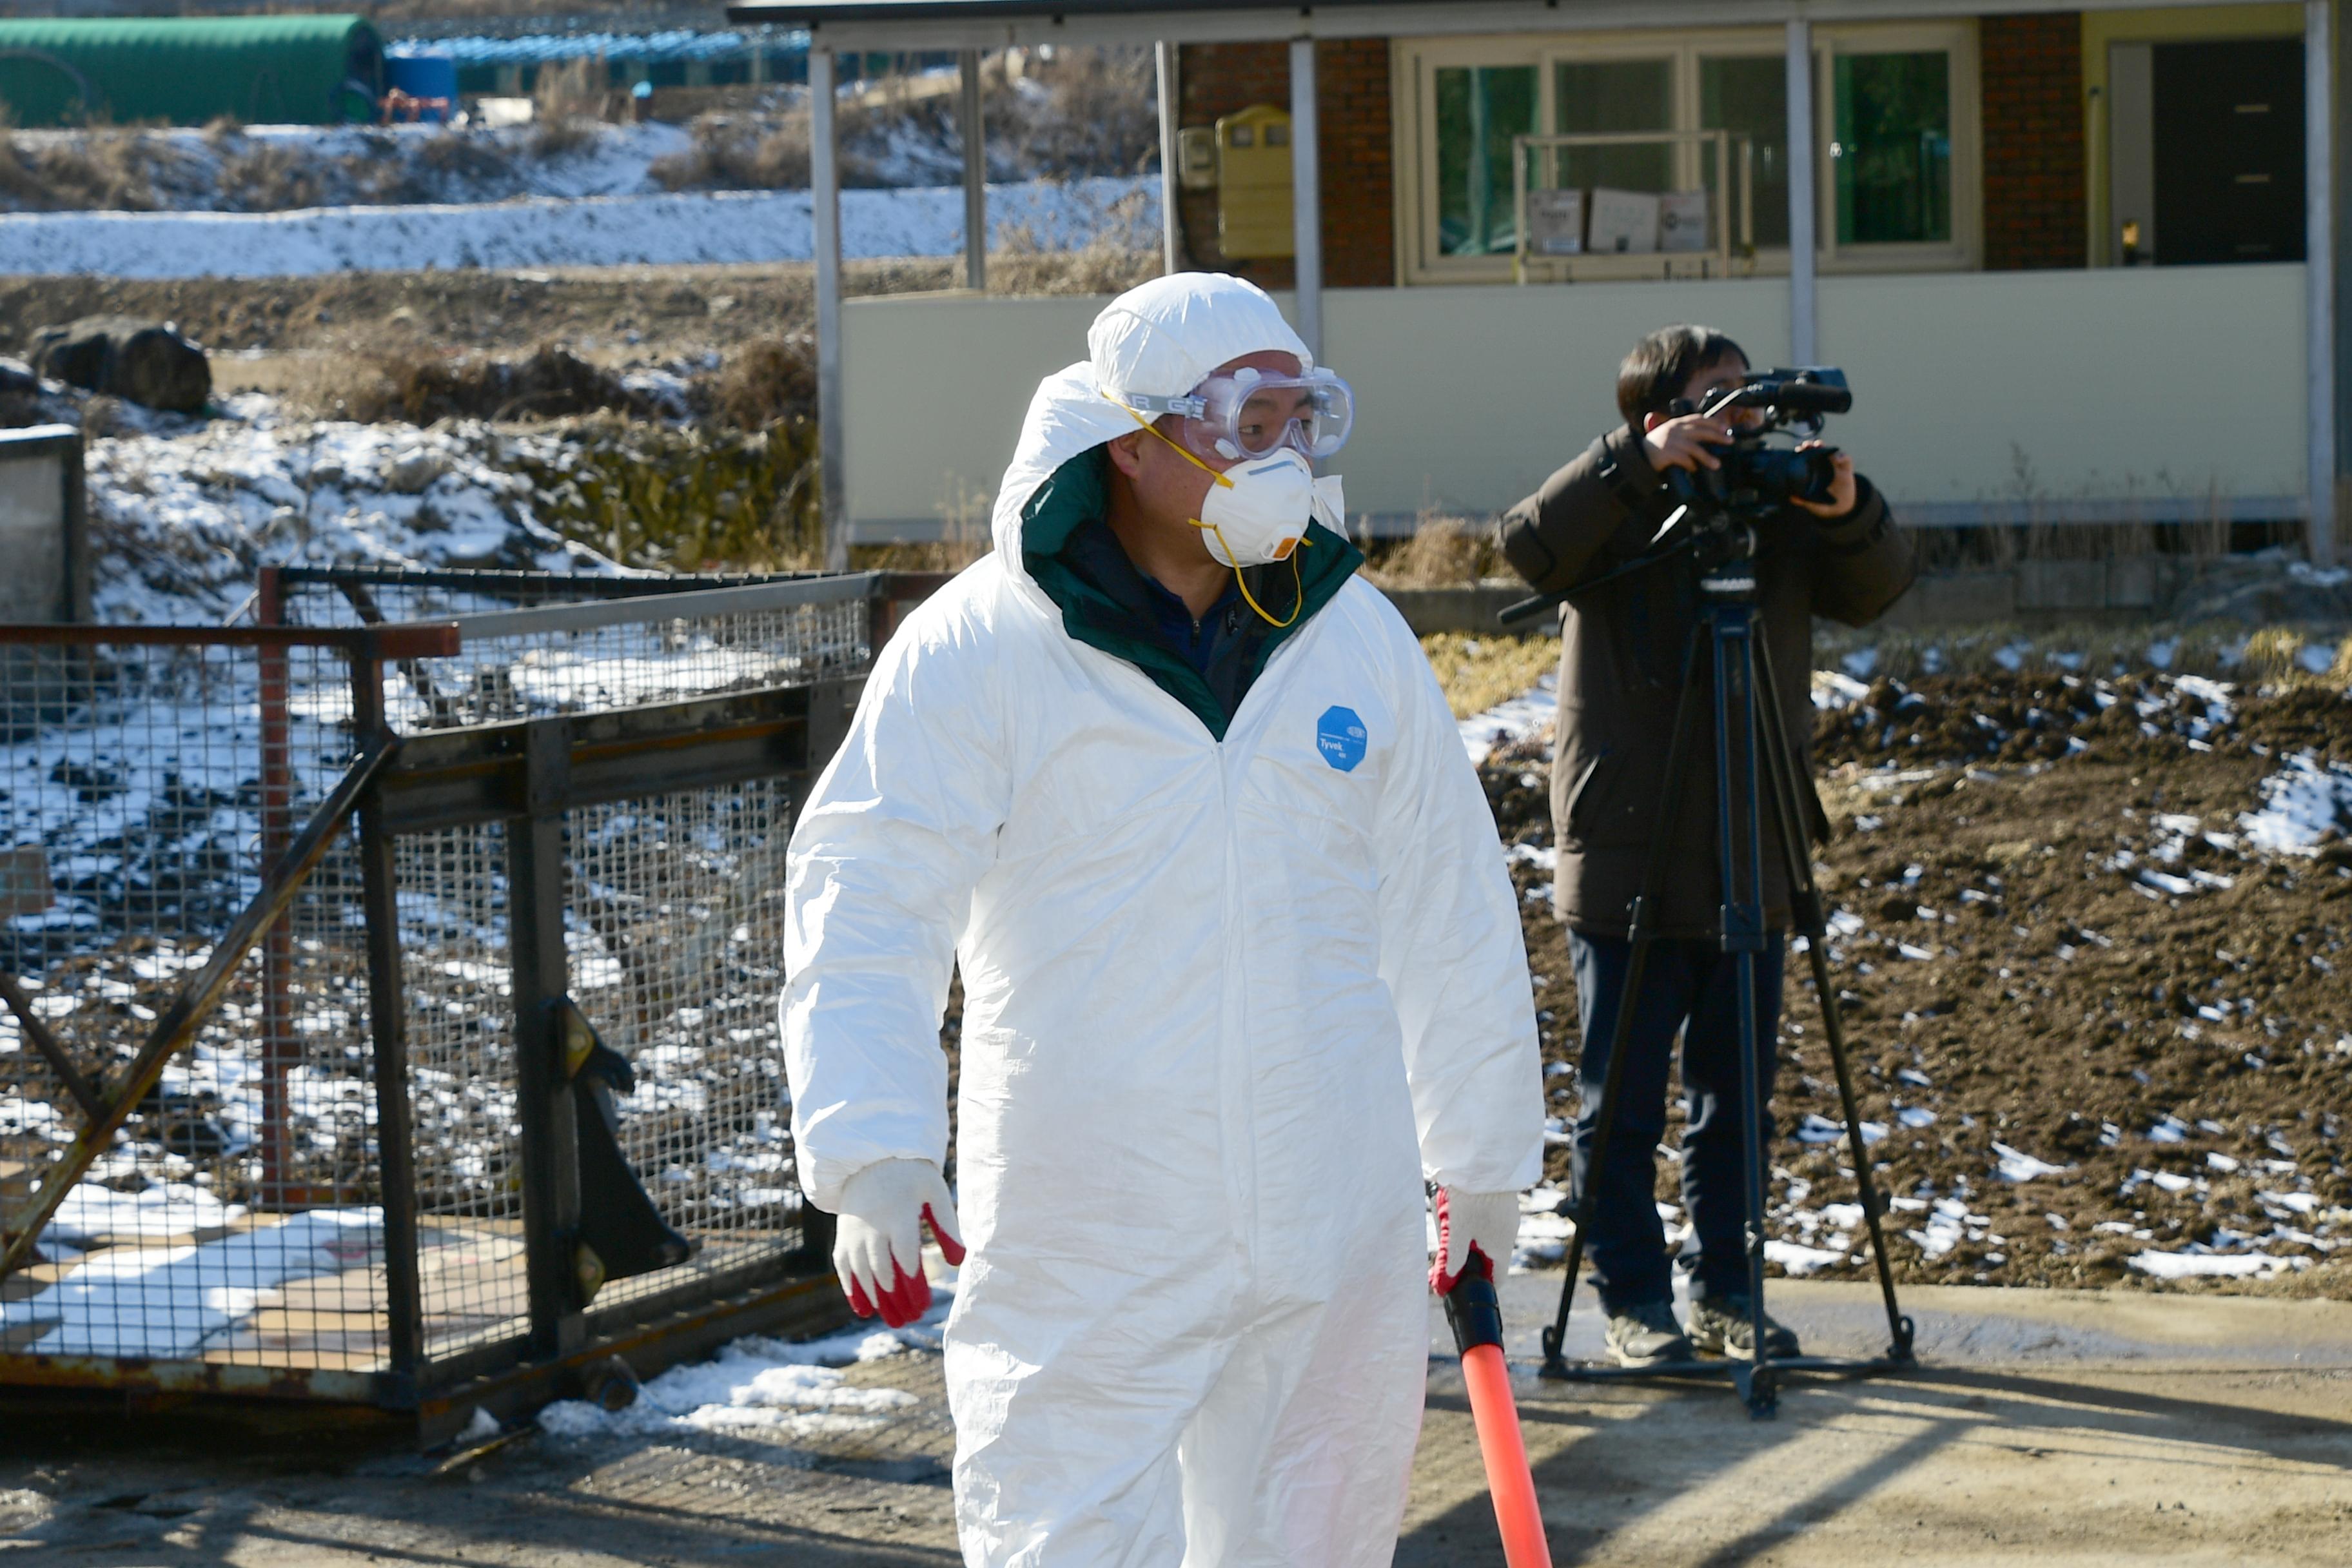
(1258, 510)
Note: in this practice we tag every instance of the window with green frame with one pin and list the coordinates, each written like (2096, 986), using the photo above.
(1886, 170)
(1891, 156)
(1479, 109)
(1749, 96)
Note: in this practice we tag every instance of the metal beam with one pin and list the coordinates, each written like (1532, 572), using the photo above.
(1170, 245)
(2319, 271)
(906, 27)
(550, 1161)
(652, 607)
(1804, 334)
(975, 173)
(825, 190)
(1306, 199)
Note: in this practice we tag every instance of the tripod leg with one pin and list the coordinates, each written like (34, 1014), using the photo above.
(1805, 904)
(1738, 834)
(1621, 1034)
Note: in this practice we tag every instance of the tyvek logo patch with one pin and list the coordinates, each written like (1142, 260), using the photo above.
(1339, 736)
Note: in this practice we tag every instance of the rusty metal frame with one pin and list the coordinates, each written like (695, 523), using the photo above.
(527, 773)
(197, 999)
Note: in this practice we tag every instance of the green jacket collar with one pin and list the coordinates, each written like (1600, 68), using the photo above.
(1077, 491)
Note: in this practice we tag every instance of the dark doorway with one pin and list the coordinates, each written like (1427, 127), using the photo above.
(2229, 152)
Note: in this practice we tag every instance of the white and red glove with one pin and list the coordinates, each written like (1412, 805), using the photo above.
(877, 1247)
(1474, 1230)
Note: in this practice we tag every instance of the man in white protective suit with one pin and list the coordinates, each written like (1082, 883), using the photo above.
(1241, 969)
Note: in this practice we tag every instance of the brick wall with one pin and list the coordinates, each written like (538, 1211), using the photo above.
(2031, 68)
(1352, 84)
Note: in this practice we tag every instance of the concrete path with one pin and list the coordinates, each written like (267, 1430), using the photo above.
(2044, 1430)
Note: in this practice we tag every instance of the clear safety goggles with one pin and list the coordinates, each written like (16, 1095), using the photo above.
(1249, 413)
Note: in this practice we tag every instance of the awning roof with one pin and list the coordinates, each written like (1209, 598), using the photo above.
(988, 24)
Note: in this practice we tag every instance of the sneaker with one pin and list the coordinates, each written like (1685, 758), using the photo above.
(1720, 1326)
(1646, 1334)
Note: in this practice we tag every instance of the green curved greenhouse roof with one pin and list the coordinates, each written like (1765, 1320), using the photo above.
(186, 69)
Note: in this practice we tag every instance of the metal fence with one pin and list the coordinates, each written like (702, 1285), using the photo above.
(389, 998)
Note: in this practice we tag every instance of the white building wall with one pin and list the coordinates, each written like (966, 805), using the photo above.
(2142, 394)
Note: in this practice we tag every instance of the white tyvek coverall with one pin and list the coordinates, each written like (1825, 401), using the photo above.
(1226, 1005)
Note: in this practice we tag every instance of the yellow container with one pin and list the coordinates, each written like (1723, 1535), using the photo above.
(1253, 210)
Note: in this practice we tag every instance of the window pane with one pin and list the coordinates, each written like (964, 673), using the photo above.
(1750, 97)
(1892, 154)
(1603, 96)
(1479, 109)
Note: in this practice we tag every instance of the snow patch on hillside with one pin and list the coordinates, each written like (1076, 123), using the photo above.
(705, 228)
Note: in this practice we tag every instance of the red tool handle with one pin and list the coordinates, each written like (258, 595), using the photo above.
(1477, 1318)
(1507, 1478)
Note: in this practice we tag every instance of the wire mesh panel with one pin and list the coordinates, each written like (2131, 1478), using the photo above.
(663, 639)
(457, 994)
(268, 1094)
(148, 789)
(353, 596)
(675, 941)
(530, 673)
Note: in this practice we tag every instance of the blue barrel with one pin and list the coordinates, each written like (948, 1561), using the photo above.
(424, 76)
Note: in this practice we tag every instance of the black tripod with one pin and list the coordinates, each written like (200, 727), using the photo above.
(1729, 631)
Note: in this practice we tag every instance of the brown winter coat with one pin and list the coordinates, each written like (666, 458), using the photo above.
(1622, 651)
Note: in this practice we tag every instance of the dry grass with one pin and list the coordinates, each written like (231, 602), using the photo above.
(402, 381)
(1443, 551)
(110, 171)
(1101, 266)
(1481, 672)
(268, 177)
(561, 135)
(765, 380)
(1084, 111)
(738, 152)
(931, 556)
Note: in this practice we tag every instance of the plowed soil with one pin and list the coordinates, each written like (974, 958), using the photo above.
(2036, 946)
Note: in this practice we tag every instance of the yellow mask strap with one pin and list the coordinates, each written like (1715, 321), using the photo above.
(1178, 448)
(1298, 586)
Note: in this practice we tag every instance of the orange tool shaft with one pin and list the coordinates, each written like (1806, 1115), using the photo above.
(1476, 1315)
(1505, 1453)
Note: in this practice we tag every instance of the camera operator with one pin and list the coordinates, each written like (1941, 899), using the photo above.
(1623, 647)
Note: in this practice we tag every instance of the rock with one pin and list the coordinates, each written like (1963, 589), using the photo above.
(17, 378)
(413, 470)
(142, 362)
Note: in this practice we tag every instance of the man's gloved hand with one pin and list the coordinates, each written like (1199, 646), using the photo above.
(1474, 1231)
(877, 1247)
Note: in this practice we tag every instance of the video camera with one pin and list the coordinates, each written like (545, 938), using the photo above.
(1757, 477)
(1720, 510)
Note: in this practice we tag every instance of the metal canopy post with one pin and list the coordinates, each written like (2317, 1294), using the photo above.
(1164, 57)
(825, 190)
(1803, 331)
(975, 173)
(2319, 273)
(1306, 196)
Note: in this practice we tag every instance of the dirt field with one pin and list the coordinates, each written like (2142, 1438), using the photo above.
(652, 313)
(2058, 938)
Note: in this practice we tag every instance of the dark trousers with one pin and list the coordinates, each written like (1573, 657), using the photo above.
(1689, 988)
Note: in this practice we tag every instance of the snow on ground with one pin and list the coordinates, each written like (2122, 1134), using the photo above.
(178, 1302)
(2198, 1263)
(2302, 802)
(1525, 715)
(607, 231)
(784, 1388)
(188, 514)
